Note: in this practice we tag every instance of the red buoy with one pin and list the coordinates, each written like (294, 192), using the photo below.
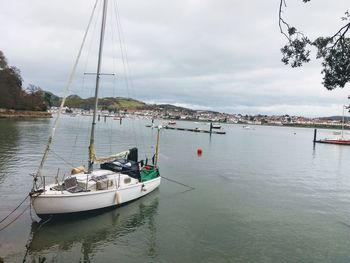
(199, 152)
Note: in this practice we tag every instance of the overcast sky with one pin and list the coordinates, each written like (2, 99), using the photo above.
(222, 55)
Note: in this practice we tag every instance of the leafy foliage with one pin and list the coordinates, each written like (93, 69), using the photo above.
(295, 52)
(334, 51)
(12, 95)
(336, 61)
(3, 61)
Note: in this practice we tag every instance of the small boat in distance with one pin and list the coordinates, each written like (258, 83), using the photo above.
(216, 126)
(121, 177)
(340, 140)
(335, 141)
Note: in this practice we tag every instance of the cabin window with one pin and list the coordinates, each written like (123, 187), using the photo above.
(127, 180)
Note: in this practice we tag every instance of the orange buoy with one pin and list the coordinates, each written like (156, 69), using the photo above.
(199, 152)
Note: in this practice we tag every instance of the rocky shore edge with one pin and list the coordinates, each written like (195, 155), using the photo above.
(5, 113)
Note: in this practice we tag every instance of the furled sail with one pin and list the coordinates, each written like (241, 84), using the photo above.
(121, 155)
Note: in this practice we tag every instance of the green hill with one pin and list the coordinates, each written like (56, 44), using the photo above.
(108, 103)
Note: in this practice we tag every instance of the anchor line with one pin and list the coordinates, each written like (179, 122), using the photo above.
(176, 182)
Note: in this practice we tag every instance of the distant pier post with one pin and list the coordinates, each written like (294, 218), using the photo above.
(105, 118)
(211, 128)
(315, 135)
(99, 116)
(120, 120)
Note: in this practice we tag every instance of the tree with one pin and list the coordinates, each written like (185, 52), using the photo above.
(3, 61)
(12, 95)
(32, 89)
(334, 50)
(48, 99)
(35, 98)
(10, 85)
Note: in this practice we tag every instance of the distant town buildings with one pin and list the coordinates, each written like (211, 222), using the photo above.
(160, 112)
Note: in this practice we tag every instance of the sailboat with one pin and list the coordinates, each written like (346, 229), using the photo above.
(340, 139)
(121, 178)
(59, 236)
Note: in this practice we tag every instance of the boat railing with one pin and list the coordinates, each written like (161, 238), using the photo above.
(55, 177)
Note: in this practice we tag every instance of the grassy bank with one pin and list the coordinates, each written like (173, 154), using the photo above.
(4, 113)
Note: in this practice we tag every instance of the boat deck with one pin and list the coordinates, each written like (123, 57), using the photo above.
(338, 142)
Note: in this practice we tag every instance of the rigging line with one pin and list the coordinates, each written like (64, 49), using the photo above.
(176, 182)
(74, 145)
(18, 216)
(89, 42)
(114, 53)
(62, 159)
(89, 48)
(77, 124)
(122, 47)
(126, 67)
(114, 90)
(129, 80)
(107, 123)
(124, 50)
(87, 51)
(66, 90)
(2, 220)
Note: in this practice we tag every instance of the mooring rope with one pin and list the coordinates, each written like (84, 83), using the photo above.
(176, 182)
(18, 216)
(14, 210)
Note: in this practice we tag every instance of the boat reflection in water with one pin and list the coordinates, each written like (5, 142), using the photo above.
(88, 236)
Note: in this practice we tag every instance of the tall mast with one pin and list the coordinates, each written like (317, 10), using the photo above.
(92, 137)
(157, 147)
(342, 123)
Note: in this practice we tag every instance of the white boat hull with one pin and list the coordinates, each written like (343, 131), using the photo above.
(65, 203)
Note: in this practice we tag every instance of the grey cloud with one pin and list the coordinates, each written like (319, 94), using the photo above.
(221, 55)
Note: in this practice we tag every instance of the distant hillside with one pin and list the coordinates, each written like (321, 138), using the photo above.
(112, 104)
(166, 107)
(335, 118)
(109, 103)
(50, 98)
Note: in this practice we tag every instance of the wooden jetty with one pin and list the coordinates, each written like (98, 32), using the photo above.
(190, 129)
(339, 141)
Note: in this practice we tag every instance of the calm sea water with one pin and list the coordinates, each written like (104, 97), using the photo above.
(261, 195)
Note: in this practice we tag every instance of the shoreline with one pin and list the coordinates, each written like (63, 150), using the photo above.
(25, 114)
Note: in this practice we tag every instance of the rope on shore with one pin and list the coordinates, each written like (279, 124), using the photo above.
(2, 220)
(176, 182)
